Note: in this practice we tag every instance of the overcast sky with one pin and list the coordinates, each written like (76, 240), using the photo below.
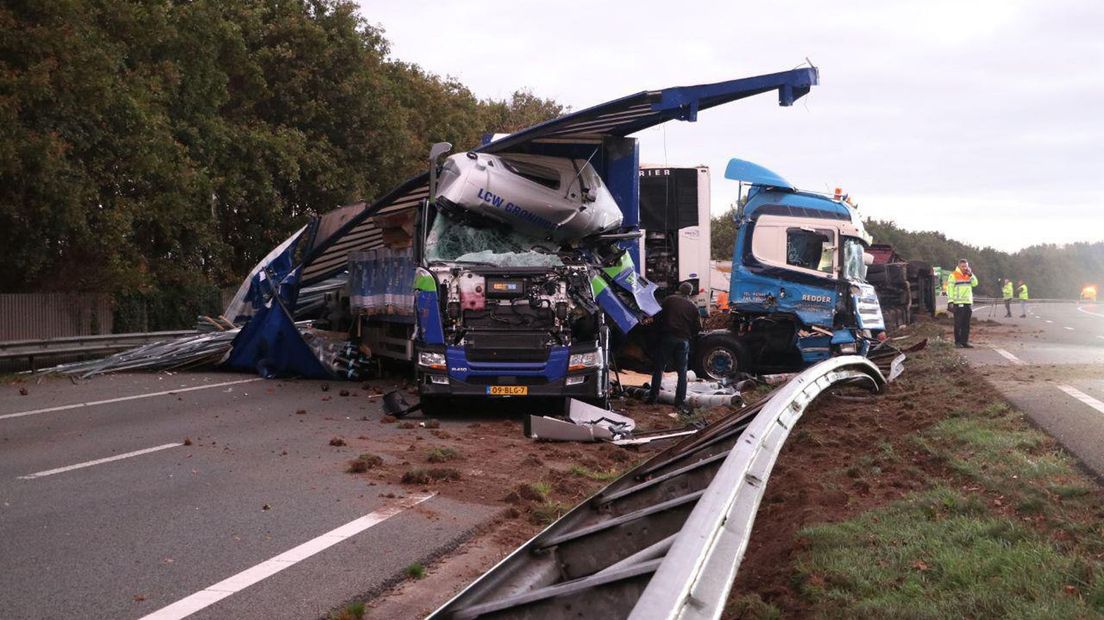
(980, 119)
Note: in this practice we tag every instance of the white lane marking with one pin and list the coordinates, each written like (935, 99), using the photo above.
(1009, 356)
(1069, 328)
(1049, 321)
(211, 595)
(117, 457)
(1089, 311)
(1081, 396)
(124, 398)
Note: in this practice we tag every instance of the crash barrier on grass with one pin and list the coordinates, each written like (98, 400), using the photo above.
(666, 539)
(72, 345)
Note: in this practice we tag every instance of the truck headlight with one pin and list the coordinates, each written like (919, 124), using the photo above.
(581, 361)
(849, 348)
(431, 359)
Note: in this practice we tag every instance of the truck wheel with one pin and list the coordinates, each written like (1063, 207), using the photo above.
(719, 356)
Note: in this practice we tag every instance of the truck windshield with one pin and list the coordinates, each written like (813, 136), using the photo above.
(854, 268)
(454, 242)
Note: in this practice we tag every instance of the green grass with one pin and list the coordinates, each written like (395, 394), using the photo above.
(352, 611)
(1014, 531)
(941, 554)
(547, 512)
(541, 488)
(415, 571)
(586, 472)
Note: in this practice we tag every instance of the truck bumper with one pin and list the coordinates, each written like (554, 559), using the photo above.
(576, 385)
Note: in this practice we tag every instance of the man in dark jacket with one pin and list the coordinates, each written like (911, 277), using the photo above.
(678, 322)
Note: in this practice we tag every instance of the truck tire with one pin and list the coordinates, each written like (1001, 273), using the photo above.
(719, 356)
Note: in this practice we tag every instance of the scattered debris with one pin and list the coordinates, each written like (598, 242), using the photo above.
(187, 441)
(266, 507)
(395, 404)
(337, 442)
(544, 428)
(363, 463)
(201, 349)
(442, 455)
(23, 391)
(300, 412)
(425, 476)
(699, 393)
(587, 414)
(584, 422)
(388, 419)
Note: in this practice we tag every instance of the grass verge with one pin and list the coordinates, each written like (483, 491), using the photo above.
(1008, 527)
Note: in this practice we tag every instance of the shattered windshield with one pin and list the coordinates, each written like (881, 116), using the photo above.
(854, 268)
(451, 241)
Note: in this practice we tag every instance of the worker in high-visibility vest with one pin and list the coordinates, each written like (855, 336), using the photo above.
(960, 293)
(1023, 299)
(1006, 292)
(722, 302)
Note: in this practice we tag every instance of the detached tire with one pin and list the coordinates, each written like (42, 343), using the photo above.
(719, 356)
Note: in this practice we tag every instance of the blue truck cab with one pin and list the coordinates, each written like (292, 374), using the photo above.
(798, 292)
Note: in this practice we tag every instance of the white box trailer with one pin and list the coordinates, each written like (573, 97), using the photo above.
(674, 218)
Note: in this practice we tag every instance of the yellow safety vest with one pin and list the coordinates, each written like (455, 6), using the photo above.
(1007, 290)
(960, 289)
(1023, 291)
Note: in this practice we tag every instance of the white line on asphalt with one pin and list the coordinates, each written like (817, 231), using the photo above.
(1049, 321)
(1081, 396)
(1089, 312)
(124, 398)
(213, 594)
(1069, 328)
(1009, 356)
(117, 457)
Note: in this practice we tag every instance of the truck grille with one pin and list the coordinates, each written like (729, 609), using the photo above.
(507, 347)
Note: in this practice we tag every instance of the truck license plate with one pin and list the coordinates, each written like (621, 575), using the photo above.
(507, 390)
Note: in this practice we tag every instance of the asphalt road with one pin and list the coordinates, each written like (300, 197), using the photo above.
(1051, 366)
(105, 513)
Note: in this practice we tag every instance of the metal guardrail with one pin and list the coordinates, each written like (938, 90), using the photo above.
(82, 344)
(665, 539)
(695, 576)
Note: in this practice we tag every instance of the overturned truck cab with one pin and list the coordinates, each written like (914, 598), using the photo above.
(798, 288)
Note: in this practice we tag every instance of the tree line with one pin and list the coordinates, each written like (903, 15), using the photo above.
(166, 145)
(1050, 270)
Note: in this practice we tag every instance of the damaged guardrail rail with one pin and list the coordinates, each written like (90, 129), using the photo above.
(666, 539)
